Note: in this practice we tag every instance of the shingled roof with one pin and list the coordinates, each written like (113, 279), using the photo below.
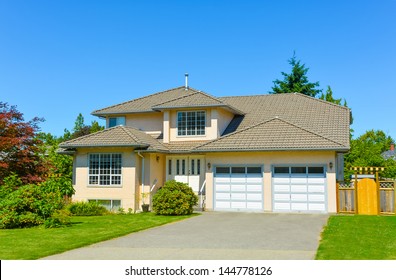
(289, 121)
(274, 134)
(174, 98)
(118, 136)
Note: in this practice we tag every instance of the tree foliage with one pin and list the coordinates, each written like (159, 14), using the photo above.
(366, 150)
(296, 81)
(328, 96)
(19, 146)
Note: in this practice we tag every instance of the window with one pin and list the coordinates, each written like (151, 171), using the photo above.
(191, 123)
(116, 121)
(110, 204)
(281, 170)
(170, 167)
(105, 169)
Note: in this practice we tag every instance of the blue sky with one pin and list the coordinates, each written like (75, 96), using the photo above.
(62, 58)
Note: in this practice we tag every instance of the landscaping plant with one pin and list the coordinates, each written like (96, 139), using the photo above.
(174, 198)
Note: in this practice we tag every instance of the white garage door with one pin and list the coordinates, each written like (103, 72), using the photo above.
(238, 188)
(299, 189)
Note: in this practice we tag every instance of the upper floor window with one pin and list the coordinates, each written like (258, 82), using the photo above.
(191, 123)
(116, 121)
(105, 169)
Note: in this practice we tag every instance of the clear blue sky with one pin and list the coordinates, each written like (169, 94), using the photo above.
(62, 58)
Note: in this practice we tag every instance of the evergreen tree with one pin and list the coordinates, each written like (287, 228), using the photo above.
(296, 81)
(328, 96)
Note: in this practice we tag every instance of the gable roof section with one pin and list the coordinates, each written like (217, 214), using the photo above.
(321, 117)
(274, 134)
(173, 98)
(118, 136)
(196, 99)
(145, 103)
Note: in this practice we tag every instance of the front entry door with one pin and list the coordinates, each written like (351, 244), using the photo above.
(189, 170)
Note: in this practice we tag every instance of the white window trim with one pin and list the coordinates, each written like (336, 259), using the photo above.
(189, 136)
(99, 185)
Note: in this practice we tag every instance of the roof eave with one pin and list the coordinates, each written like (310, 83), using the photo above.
(97, 114)
(269, 150)
(229, 108)
(103, 145)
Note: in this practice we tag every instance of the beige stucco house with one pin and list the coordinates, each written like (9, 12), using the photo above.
(274, 152)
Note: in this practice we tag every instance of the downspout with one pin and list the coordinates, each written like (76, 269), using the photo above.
(142, 187)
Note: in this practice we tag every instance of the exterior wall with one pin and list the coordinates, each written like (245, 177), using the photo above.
(224, 118)
(149, 122)
(210, 129)
(125, 192)
(153, 170)
(268, 159)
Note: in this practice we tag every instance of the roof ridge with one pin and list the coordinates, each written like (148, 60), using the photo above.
(267, 121)
(309, 131)
(177, 98)
(124, 128)
(125, 102)
(321, 100)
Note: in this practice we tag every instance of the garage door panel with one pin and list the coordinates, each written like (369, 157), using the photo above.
(299, 206)
(319, 181)
(316, 198)
(316, 189)
(238, 180)
(238, 188)
(223, 188)
(254, 188)
(222, 179)
(252, 180)
(281, 180)
(241, 189)
(317, 207)
(282, 197)
(298, 191)
(298, 181)
(222, 196)
(282, 188)
(282, 206)
(254, 196)
(223, 204)
(299, 188)
(238, 196)
(238, 205)
(254, 205)
(299, 197)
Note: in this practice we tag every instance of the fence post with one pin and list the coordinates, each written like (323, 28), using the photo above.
(356, 193)
(337, 197)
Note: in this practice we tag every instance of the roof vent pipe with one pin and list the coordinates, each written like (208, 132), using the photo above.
(186, 83)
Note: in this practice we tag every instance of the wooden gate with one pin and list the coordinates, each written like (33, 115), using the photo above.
(367, 196)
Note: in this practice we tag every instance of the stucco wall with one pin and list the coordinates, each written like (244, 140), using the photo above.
(150, 122)
(268, 159)
(125, 192)
(224, 118)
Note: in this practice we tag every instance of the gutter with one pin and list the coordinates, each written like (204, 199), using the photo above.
(142, 180)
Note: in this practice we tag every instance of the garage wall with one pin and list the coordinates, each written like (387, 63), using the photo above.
(268, 159)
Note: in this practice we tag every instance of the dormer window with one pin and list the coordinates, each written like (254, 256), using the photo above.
(191, 123)
(116, 121)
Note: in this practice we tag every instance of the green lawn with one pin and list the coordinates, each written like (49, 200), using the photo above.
(35, 243)
(358, 237)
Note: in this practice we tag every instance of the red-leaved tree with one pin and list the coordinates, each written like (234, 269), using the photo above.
(19, 146)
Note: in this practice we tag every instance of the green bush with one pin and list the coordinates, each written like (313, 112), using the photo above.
(83, 208)
(174, 198)
(28, 206)
(59, 218)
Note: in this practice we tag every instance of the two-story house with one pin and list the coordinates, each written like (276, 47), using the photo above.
(273, 152)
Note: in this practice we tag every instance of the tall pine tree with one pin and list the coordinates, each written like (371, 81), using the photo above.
(296, 81)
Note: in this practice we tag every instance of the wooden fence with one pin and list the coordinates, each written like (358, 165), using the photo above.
(347, 198)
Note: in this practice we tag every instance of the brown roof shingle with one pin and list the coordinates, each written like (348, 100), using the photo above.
(274, 134)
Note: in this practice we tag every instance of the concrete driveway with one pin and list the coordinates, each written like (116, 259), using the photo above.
(213, 236)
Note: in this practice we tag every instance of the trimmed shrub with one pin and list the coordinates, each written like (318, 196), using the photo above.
(83, 208)
(174, 198)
